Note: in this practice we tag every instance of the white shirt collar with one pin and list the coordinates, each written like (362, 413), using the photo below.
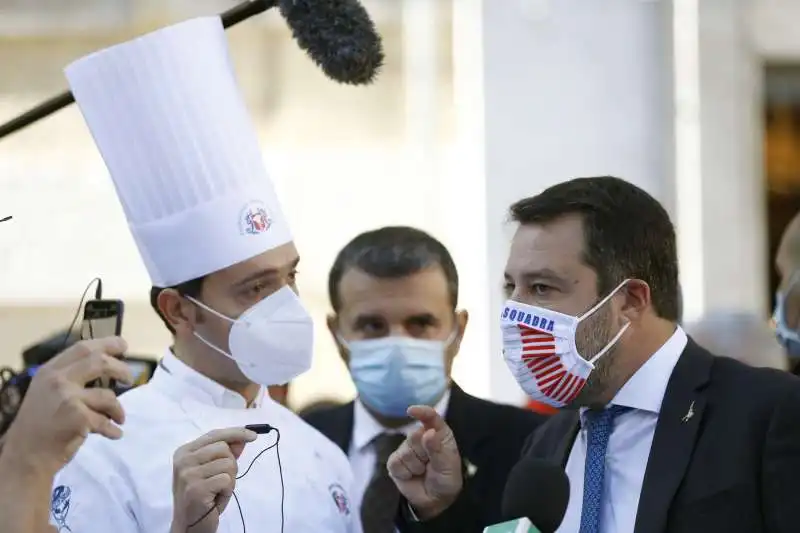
(192, 383)
(366, 427)
(646, 388)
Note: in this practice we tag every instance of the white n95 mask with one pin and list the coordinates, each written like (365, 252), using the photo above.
(539, 349)
(272, 342)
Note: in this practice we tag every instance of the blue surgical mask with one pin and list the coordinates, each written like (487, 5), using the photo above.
(788, 337)
(393, 373)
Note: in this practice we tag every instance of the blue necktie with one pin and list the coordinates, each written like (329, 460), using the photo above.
(598, 429)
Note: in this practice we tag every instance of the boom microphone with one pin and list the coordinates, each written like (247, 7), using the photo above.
(338, 35)
(536, 494)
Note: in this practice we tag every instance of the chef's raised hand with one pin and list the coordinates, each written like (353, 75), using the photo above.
(203, 478)
(58, 411)
(427, 466)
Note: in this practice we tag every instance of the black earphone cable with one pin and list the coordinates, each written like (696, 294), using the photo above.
(275, 445)
(98, 295)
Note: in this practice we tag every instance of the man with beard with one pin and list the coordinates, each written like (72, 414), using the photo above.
(398, 327)
(656, 434)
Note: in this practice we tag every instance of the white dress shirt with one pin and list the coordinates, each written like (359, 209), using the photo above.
(362, 453)
(628, 446)
(125, 486)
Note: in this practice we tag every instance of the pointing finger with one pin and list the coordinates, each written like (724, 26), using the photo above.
(415, 443)
(431, 443)
(428, 416)
(442, 450)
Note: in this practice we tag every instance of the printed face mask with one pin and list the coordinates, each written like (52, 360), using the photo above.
(539, 349)
(272, 342)
(393, 373)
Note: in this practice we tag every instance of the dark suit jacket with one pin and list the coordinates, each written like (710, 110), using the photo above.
(732, 467)
(490, 436)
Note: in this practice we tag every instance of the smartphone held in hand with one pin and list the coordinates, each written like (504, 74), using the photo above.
(102, 318)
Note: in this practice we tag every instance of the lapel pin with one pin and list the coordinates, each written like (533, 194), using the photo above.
(689, 414)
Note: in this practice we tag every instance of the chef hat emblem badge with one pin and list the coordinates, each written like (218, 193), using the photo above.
(254, 219)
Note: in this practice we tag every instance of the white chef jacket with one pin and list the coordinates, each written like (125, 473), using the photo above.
(125, 486)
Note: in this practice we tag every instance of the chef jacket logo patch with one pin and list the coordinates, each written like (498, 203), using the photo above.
(59, 507)
(340, 499)
(253, 219)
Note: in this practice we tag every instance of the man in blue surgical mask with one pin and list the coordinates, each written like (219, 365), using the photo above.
(394, 293)
(787, 300)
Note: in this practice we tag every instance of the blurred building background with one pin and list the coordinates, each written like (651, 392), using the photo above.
(697, 101)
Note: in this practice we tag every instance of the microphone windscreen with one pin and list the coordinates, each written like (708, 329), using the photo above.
(339, 37)
(538, 490)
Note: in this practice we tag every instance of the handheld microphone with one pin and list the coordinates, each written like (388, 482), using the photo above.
(337, 35)
(537, 493)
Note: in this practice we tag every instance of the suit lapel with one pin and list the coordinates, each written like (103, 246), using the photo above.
(564, 447)
(458, 418)
(675, 436)
(339, 426)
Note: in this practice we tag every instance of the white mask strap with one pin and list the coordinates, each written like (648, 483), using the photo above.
(207, 308)
(449, 340)
(610, 344)
(602, 302)
(201, 338)
(213, 347)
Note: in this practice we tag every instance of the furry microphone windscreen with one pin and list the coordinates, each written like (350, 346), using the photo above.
(338, 36)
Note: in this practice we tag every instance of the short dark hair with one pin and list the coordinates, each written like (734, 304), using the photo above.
(191, 288)
(392, 252)
(627, 234)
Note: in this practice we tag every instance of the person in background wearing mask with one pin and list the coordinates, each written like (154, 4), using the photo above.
(56, 415)
(394, 293)
(740, 335)
(655, 434)
(787, 300)
(168, 118)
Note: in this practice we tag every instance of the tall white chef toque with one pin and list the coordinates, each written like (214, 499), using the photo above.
(168, 118)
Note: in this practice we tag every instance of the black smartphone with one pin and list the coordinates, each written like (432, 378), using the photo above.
(102, 318)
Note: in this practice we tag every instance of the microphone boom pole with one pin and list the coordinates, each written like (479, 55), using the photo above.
(231, 17)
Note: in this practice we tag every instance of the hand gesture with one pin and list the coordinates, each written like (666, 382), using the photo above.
(58, 411)
(203, 478)
(427, 467)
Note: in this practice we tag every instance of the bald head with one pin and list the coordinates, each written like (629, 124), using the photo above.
(741, 336)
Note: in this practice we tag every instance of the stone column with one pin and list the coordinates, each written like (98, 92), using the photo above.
(546, 91)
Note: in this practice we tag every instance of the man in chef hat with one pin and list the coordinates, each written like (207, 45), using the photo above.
(168, 118)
